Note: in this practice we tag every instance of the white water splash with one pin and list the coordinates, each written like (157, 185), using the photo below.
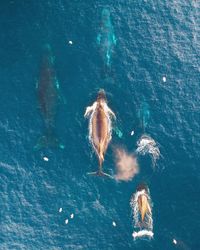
(144, 228)
(45, 158)
(142, 233)
(114, 224)
(164, 79)
(147, 145)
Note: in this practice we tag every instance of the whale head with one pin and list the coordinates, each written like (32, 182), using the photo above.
(105, 15)
(142, 186)
(101, 95)
(47, 48)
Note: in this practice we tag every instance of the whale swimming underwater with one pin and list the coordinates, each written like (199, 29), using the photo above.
(100, 128)
(48, 95)
(146, 144)
(144, 115)
(106, 38)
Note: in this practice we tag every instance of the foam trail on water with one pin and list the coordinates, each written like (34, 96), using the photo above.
(141, 228)
(126, 165)
(142, 233)
(147, 145)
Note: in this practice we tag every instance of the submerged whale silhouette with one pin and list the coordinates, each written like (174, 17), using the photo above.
(48, 94)
(106, 38)
(144, 114)
(100, 128)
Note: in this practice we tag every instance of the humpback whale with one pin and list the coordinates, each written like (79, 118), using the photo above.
(100, 128)
(142, 212)
(143, 203)
(145, 143)
(106, 38)
(48, 94)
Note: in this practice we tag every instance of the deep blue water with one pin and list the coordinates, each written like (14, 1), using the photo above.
(154, 39)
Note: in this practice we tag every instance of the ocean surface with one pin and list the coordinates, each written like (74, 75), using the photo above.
(155, 39)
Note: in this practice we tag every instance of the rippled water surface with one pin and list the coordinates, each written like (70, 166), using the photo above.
(155, 39)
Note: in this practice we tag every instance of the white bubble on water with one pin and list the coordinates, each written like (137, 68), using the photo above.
(174, 241)
(114, 224)
(70, 42)
(66, 221)
(132, 132)
(164, 79)
(72, 216)
(60, 210)
(45, 158)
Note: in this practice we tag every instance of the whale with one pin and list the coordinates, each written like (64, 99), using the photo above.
(47, 88)
(100, 128)
(143, 203)
(142, 212)
(144, 114)
(106, 38)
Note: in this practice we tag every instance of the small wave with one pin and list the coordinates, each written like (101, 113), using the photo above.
(142, 227)
(147, 145)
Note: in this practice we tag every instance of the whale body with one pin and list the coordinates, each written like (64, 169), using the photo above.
(48, 94)
(100, 128)
(144, 115)
(143, 203)
(106, 37)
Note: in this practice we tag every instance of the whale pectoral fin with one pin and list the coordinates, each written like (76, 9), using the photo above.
(57, 83)
(99, 38)
(61, 97)
(88, 111)
(112, 113)
(114, 39)
(117, 131)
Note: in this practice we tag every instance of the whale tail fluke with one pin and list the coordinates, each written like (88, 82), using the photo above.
(46, 141)
(101, 174)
